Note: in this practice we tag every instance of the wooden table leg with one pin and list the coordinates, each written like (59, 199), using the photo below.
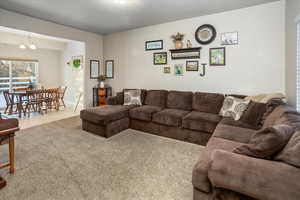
(11, 154)
(20, 104)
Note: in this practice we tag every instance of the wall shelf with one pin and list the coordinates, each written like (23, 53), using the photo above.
(186, 53)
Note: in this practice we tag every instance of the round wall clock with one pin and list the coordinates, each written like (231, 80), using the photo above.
(205, 34)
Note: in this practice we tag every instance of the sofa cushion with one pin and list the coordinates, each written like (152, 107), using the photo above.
(234, 107)
(180, 100)
(200, 172)
(233, 133)
(290, 153)
(132, 97)
(275, 115)
(201, 121)
(105, 114)
(253, 114)
(156, 98)
(208, 102)
(170, 117)
(239, 123)
(265, 143)
(144, 112)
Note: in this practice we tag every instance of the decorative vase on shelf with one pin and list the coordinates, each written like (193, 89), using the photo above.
(178, 44)
(101, 84)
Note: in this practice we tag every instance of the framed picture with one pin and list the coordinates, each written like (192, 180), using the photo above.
(178, 69)
(154, 45)
(230, 38)
(160, 58)
(191, 53)
(77, 61)
(94, 69)
(217, 56)
(109, 69)
(192, 66)
(167, 70)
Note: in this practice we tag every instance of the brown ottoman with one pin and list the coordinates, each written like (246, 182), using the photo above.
(105, 121)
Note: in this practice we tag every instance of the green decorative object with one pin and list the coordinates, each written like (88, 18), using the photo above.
(77, 61)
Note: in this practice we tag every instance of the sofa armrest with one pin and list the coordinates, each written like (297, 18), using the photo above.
(257, 178)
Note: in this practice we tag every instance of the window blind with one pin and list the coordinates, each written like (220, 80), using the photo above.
(298, 65)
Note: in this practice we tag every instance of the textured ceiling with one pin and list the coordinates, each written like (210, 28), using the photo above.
(108, 16)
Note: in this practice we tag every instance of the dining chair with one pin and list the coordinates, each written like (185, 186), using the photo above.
(8, 101)
(34, 101)
(8, 127)
(62, 92)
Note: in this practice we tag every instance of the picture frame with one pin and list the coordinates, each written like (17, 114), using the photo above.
(160, 58)
(154, 45)
(217, 56)
(187, 53)
(94, 69)
(192, 66)
(109, 69)
(167, 70)
(230, 38)
(178, 69)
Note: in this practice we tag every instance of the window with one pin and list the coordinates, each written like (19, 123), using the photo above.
(298, 66)
(17, 74)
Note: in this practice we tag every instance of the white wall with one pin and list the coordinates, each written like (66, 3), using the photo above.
(292, 11)
(49, 62)
(256, 65)
(92, 41)
(71, 77)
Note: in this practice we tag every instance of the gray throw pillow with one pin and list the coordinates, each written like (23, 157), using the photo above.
(291, 152)
(234, 107)
(132, 97)
(267, 142)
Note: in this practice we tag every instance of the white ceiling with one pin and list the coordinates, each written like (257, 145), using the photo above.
(108, 16)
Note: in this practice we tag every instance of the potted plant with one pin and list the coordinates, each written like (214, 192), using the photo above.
(101, 80)
(177, 39)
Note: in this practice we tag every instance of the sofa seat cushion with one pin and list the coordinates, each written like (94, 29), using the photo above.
(200, 172)
(170, 117)
(201, 121)
(208, 102)
(233, 133)
(105, 114)
(239, 123)
(144, 112)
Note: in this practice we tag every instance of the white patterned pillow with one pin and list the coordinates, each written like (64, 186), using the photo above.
(132, 97)
(234, 107)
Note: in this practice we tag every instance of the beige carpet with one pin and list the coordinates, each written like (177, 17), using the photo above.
(60, 161)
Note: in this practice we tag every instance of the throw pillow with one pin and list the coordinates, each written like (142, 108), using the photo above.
(290, 153)
(253, 114)
(234, 107)
(267, 142)
(132, 97)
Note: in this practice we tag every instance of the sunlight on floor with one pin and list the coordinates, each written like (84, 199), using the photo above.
(36, 119)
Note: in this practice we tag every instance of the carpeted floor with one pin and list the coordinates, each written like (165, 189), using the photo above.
(60, 161)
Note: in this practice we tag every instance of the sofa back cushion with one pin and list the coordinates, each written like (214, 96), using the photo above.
(143, 93)
(276, 114)
(180, 100)
(253, 114)
(208, 102)
(156, 98)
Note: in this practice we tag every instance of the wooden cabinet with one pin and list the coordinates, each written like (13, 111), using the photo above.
(100, 95)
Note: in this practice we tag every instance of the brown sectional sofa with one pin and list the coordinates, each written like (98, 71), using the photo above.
(193, 117)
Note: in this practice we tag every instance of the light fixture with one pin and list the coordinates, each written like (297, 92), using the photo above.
(22, 46)
(31, 45)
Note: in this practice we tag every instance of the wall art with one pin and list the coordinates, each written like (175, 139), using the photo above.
(205, 34)
(94, 69)
(167, 70)
(154, 45)
(217, 56)
(178, 69)
(109, 69)
(192, 66)
(230, 38)
(160, 58)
